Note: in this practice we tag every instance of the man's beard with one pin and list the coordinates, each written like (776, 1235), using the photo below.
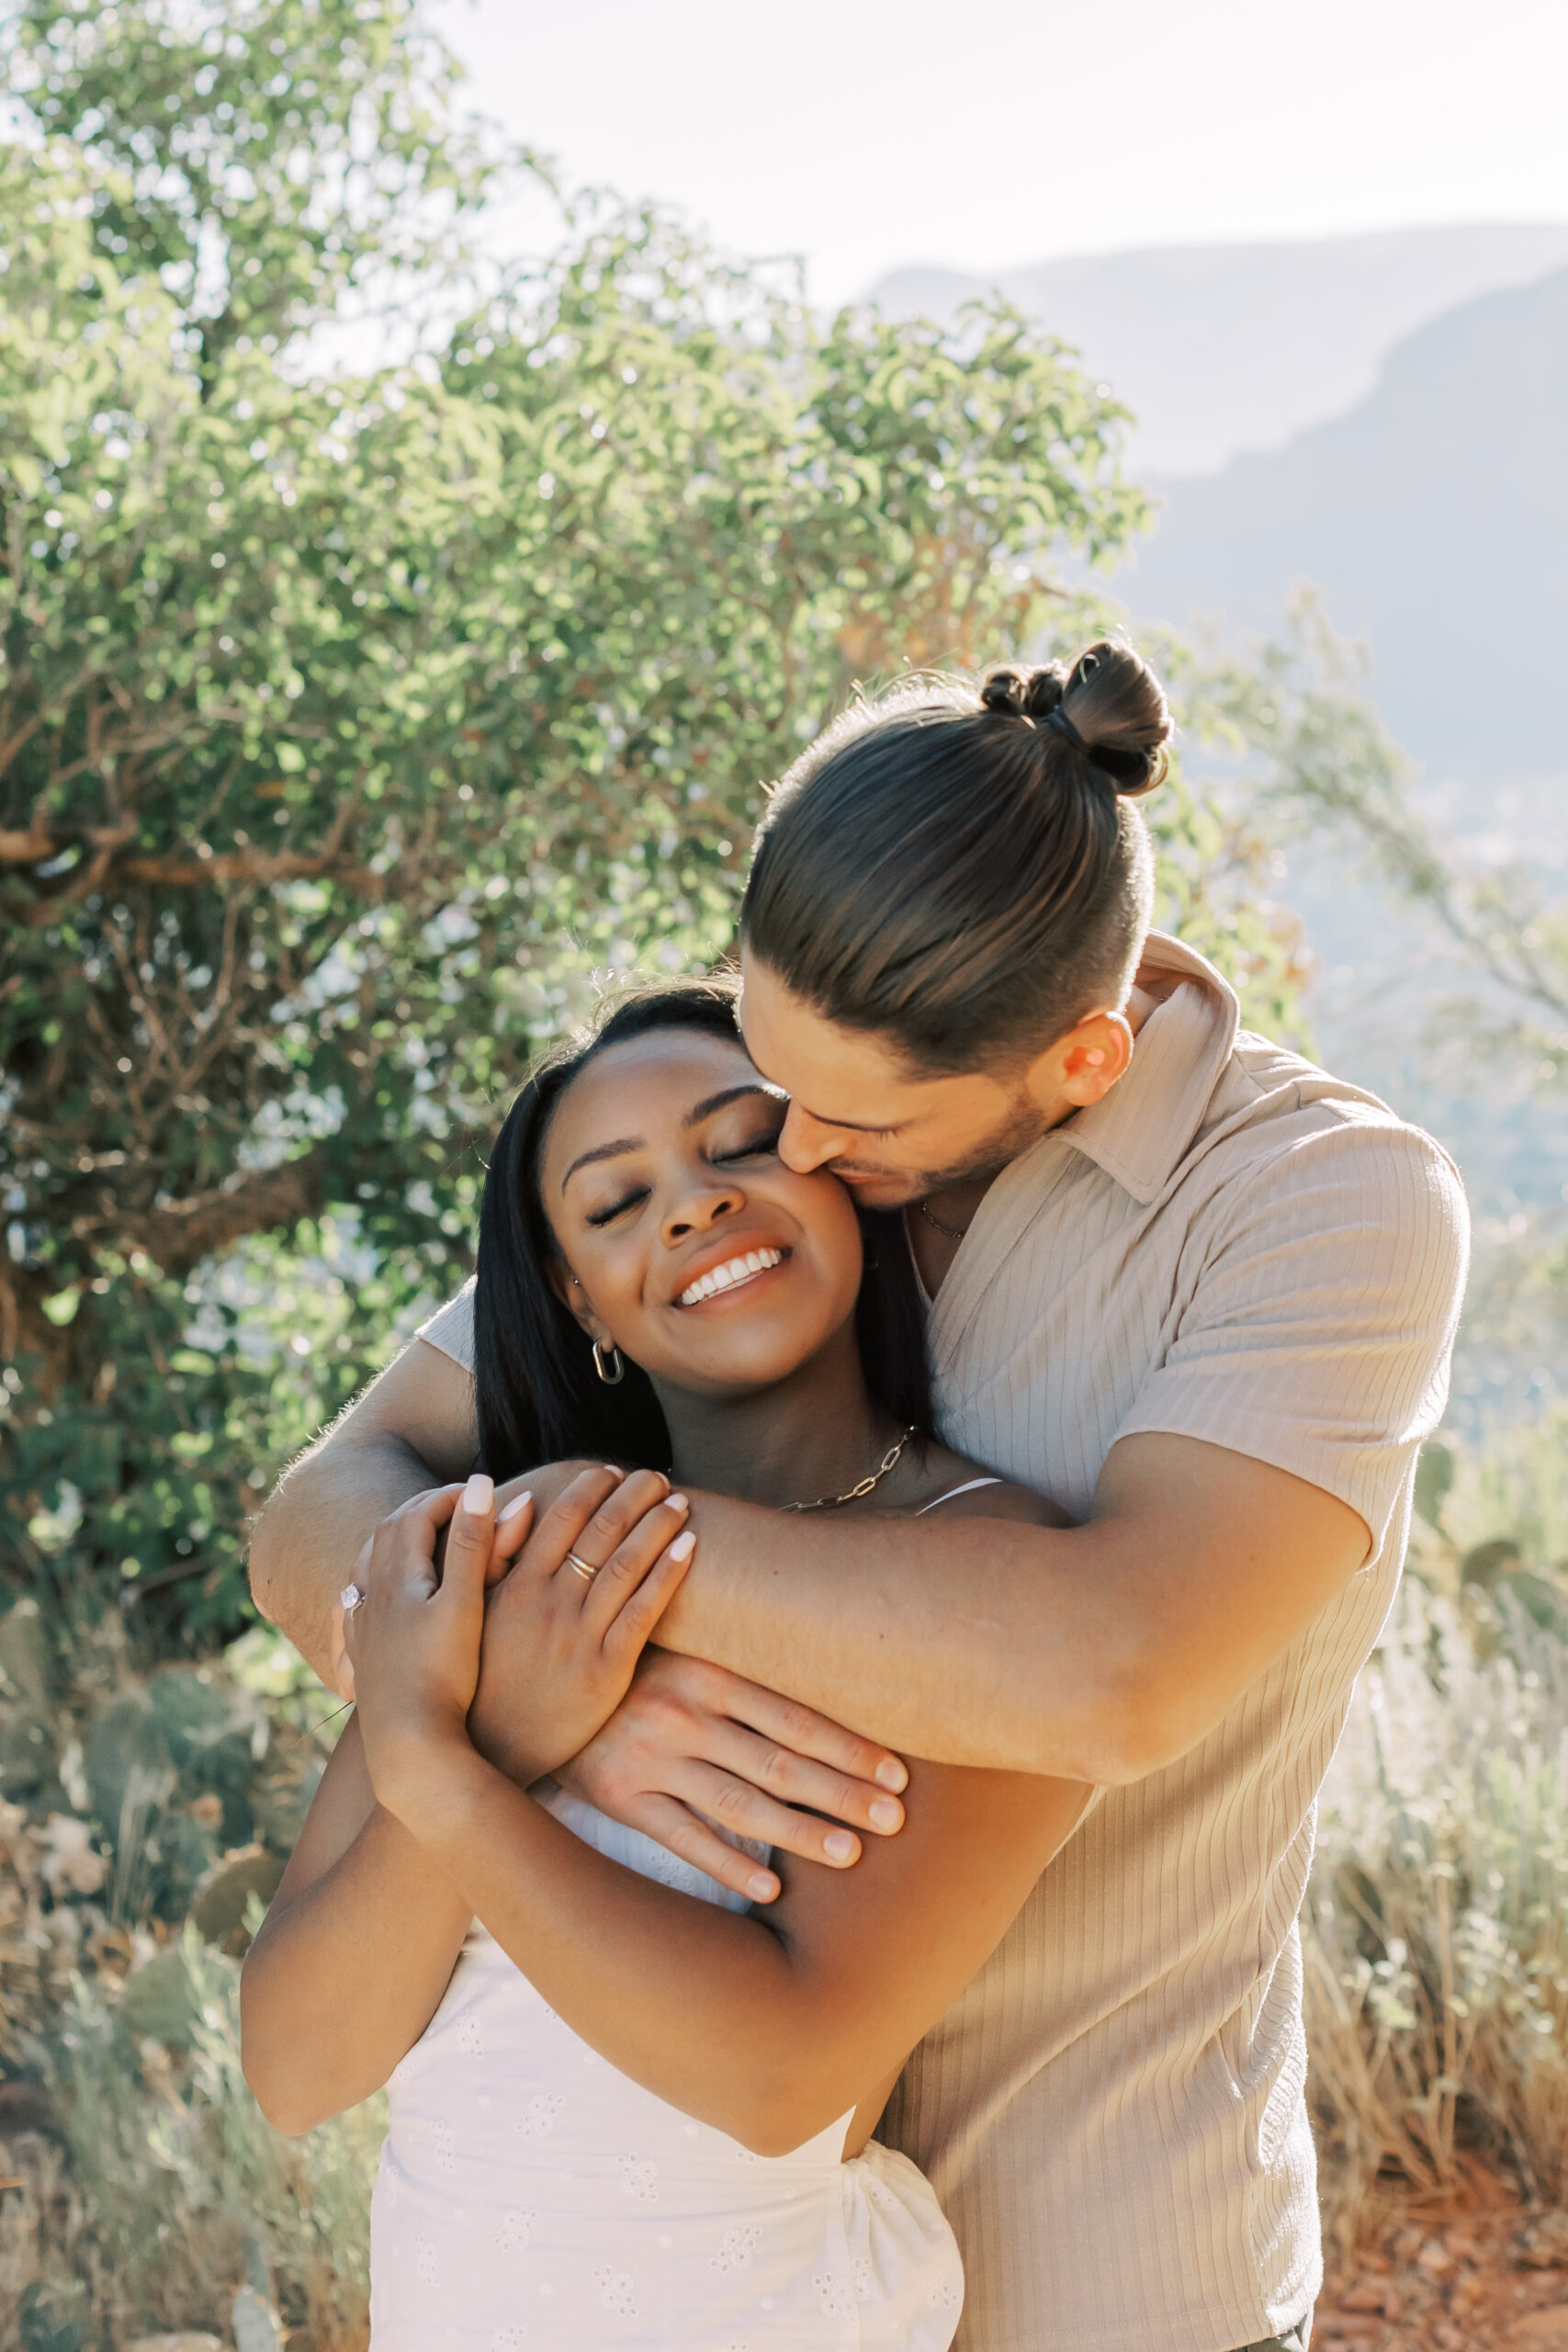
(1022, 1126)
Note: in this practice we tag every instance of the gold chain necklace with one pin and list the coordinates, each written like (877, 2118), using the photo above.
(954, 1232)
(875, 1478)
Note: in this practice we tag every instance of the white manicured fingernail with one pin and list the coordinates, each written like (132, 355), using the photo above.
(891, 1774)
(760, 1887)
(617, 1474)
(478, 1495)
(684, 1546)
(678, 1502)
(839, 1846)
(518, 1502)
(885, 1814)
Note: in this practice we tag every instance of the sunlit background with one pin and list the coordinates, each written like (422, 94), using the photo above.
(384, 661)
(872, 136)
(1320, 254)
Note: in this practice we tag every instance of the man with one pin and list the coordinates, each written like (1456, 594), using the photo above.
(1199, 1291)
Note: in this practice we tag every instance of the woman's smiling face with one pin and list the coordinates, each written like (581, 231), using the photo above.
(704, 1259)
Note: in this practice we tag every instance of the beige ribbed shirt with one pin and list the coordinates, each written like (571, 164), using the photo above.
(1232, 1246)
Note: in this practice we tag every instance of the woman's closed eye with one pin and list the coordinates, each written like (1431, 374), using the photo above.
(760, 1147)
(618, 1208)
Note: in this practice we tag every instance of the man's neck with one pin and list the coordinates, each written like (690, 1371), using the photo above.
(935, 1244)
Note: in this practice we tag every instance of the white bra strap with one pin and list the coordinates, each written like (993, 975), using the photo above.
(967, 1488)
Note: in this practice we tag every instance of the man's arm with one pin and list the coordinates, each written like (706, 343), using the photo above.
(325, 1510)
(1317, 1335)
(1097, 1652)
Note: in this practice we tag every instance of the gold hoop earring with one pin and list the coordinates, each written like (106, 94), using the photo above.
(614, 1377)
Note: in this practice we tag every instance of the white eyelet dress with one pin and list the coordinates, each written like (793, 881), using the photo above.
(531, 2199)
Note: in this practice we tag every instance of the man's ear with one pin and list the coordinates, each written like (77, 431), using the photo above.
(1095, 1054)
(1086, 1063)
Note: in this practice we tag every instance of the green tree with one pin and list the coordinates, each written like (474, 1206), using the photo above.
(259, 163)
(346, 723)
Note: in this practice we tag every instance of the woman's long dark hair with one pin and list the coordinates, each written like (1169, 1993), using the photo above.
(539, 1397)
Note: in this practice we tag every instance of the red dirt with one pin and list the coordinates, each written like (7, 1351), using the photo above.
(1477, 2271)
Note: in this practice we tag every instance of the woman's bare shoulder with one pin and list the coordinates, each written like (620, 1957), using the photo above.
(942, 1473)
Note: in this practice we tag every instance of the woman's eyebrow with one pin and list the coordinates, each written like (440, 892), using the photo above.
(603, 1151)
(712, 1103)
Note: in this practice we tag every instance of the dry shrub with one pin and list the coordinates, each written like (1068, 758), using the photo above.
(147, 2187)
(49, 1934)
(171, 2192)
(48, 2246)
(191, 2190)
(1435, 1933)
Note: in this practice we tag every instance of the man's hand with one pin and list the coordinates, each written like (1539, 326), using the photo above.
(691, 1740)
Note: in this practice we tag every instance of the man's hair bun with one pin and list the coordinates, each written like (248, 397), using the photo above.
(1117, 706)
(1110, 709)
(1025, 694)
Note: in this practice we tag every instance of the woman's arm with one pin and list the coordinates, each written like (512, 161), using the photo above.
(770, 2026)
(349, 1965)
(357, 1949)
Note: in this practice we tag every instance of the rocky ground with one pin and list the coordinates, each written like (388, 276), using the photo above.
(1478, 2272)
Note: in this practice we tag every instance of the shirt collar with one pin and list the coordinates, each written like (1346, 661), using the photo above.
(1144, 1127)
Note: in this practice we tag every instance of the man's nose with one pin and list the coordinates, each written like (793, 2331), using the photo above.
(805, 1142)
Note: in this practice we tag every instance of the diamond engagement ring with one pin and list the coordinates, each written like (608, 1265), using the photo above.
(350, 1599)
(580, 1568)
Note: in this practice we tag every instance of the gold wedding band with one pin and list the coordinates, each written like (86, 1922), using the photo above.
(582, 1567)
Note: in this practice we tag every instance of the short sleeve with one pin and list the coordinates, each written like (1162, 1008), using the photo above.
(451, 1328)
(1319, 1328)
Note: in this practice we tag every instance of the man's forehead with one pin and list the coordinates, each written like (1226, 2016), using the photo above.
(844, 1077)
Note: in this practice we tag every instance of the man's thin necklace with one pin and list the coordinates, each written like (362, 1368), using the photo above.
(954, 1232)
(872, 1479)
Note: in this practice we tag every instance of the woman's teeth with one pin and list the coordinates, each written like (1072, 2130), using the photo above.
(725, 1277)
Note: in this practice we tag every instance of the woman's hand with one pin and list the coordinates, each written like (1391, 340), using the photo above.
(412, 1642)
(573, 1641)
(494, 1531)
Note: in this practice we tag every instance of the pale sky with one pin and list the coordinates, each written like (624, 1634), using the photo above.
(870, 133)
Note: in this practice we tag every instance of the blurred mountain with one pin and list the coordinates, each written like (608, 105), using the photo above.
(1386, 417)
(1223, 348)
(1434, 517)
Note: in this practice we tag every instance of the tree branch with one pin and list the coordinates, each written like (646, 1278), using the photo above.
(178, 1237)
(253, 865)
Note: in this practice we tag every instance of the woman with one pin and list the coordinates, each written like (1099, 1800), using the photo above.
(656, 1287)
